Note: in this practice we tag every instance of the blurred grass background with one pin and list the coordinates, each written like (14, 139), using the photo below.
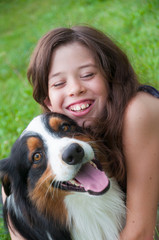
(133, 24)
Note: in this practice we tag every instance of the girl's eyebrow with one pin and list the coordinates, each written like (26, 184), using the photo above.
(88, 65)
(81, 67)
(55, 74)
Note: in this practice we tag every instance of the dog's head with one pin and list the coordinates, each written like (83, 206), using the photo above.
(52, 158)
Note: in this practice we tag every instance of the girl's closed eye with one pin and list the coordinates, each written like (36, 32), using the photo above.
(88, 76)
(59, 84)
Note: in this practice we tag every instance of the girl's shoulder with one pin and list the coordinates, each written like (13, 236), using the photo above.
(142, 113)
(143, 102)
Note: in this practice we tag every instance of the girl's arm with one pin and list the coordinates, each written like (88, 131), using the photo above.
(141, 149)
(14, 235)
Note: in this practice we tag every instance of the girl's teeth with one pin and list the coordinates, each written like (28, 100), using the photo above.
(83, 106)
(78, 107)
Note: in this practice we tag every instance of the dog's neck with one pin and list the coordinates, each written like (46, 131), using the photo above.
(96, 217)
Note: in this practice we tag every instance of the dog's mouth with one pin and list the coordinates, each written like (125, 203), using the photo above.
(89, 179)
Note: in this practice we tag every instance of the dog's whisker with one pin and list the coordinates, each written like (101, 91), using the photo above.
(50, 186)
(44, 180)
(58, 186)
(54, 189)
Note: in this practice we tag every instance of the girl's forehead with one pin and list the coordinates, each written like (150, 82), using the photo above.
(71, 55)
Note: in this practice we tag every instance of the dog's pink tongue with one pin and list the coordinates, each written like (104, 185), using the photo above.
(92, 179)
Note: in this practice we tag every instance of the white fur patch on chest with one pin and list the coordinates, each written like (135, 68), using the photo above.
(96, 217)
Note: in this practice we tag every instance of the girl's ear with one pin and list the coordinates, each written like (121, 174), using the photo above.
(4, 176)
(48, 104)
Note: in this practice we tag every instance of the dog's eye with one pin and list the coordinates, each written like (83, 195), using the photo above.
(37, 157)
(65, 127)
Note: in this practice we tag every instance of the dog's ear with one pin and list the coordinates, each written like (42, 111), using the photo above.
(4, 176)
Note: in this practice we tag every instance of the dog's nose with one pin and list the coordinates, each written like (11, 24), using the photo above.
(73, 154)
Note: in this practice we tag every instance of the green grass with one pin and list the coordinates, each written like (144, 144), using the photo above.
(133, 24)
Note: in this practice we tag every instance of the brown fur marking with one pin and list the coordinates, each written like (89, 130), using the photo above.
(48, 199)
(54, 123)
(33, 143)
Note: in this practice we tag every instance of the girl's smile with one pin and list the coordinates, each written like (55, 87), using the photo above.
(80, 108)
(76, 86)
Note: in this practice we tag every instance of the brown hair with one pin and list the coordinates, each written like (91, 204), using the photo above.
(120, 78)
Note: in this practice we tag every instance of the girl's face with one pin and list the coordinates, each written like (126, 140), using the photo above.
(76, 86)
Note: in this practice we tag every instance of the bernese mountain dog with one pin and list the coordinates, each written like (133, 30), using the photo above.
(57, 184)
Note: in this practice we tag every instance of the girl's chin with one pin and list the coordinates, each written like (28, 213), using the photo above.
(84, 123)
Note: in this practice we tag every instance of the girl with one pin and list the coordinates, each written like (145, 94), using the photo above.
(81, 73)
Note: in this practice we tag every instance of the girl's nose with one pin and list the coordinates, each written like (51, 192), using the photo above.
(76, 88)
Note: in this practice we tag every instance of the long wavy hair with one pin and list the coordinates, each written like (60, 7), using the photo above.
(121, 82)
